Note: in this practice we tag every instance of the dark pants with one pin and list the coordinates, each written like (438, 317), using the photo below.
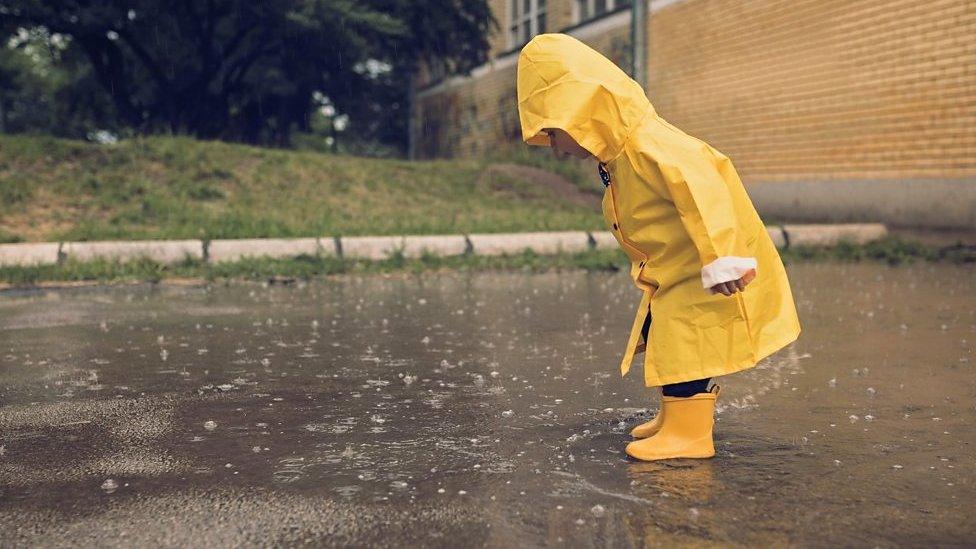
(685, 388)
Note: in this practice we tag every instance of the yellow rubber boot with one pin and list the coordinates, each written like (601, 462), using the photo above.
(648, 429)
(645, 430)
(685, 432)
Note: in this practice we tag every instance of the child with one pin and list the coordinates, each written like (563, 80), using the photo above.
(679, 211)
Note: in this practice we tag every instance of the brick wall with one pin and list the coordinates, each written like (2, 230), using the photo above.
(818, 89)
(790, 89)
(479, 114)
(499, 40)
(471, 118)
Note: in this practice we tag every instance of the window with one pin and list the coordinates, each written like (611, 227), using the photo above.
(591, 9)
(527, 18)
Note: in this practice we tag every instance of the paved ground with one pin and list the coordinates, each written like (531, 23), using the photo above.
(476, 410)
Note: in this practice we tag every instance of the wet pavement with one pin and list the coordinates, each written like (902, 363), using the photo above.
(476, 410)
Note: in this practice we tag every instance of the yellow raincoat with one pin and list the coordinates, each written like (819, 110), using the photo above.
(678, 210)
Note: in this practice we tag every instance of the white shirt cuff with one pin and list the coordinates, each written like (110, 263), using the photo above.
(727, 268)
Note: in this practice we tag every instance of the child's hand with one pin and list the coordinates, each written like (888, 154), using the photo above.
(733, 286)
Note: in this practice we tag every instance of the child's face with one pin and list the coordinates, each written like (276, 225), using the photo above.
(563, 145)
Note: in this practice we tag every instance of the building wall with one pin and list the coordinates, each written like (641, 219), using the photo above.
(559, 15)
(470, 118)
(795, 91)
(479, 114)
(822, 89)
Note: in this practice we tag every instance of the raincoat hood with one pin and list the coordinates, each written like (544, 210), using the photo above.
(565, 84)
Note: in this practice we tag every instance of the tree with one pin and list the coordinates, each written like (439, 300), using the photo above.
(249, 70)
(47, 87)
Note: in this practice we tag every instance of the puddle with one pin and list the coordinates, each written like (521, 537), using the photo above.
(476, 409)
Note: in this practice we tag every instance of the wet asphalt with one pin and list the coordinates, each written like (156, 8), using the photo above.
(476, 409)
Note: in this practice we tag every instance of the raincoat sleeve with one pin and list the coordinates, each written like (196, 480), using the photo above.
(704, 203)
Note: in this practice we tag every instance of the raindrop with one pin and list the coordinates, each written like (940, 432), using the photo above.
(110, 486)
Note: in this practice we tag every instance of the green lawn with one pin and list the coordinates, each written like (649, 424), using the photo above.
(161, 187)
(892, 250)
(53, 189)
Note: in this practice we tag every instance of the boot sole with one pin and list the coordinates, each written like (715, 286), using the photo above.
(680, 455)
(676, 456)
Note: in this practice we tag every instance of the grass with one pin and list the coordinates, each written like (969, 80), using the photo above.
(164, 187)
(581, 173)
(301, 267)
(891, 250)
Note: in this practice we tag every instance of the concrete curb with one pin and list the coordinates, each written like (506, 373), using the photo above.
(828, 235)
(165, 251)
(382, 247)
(234, 250)
(778, 236)
(413, 246)
(603, 241)
(442, 245)
(540, 243)
(43, 253)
